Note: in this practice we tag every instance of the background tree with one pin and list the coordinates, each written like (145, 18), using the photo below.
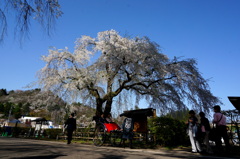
(7, 108)
(1, 108)
(17, 110)
(181, 115)
(44, 11)
(26, 109)
(32, 103)
(109, 65)
(3, 92)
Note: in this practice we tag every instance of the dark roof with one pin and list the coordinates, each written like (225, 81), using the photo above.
(235, 102)
(39, 119)
(138, 112)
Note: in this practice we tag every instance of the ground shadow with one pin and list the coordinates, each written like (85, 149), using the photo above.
(39, 157)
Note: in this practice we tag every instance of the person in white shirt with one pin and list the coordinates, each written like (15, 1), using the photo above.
(192, 132)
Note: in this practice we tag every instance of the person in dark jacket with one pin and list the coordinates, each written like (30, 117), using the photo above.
(205, 127)
(70, 125)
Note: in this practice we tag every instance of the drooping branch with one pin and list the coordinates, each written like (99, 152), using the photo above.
(44, 11)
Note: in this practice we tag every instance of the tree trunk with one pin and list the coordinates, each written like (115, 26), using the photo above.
(99, 107)
(108, 107)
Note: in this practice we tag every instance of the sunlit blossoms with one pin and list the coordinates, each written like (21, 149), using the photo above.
(102, 69)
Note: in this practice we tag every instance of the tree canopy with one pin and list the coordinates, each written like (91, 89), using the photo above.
(109, 66)
(44, 11)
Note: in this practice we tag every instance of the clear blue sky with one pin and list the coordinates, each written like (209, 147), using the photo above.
(206, 30)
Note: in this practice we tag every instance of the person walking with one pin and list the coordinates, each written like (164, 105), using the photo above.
(221, 129)
(70, 125)
(205, 128)
(192, 132)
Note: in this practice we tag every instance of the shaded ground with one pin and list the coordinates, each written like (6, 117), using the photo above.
(16, 148)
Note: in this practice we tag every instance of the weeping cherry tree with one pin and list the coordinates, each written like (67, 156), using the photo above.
(102, 68)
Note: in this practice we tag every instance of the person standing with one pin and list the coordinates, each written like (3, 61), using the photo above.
(192, 132)
(221, 129)
(70, 125)
(127, 127)
(205, 128)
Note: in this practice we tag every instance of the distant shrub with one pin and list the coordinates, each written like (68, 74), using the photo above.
(18, 131)
(52, 133)
(168, 131)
